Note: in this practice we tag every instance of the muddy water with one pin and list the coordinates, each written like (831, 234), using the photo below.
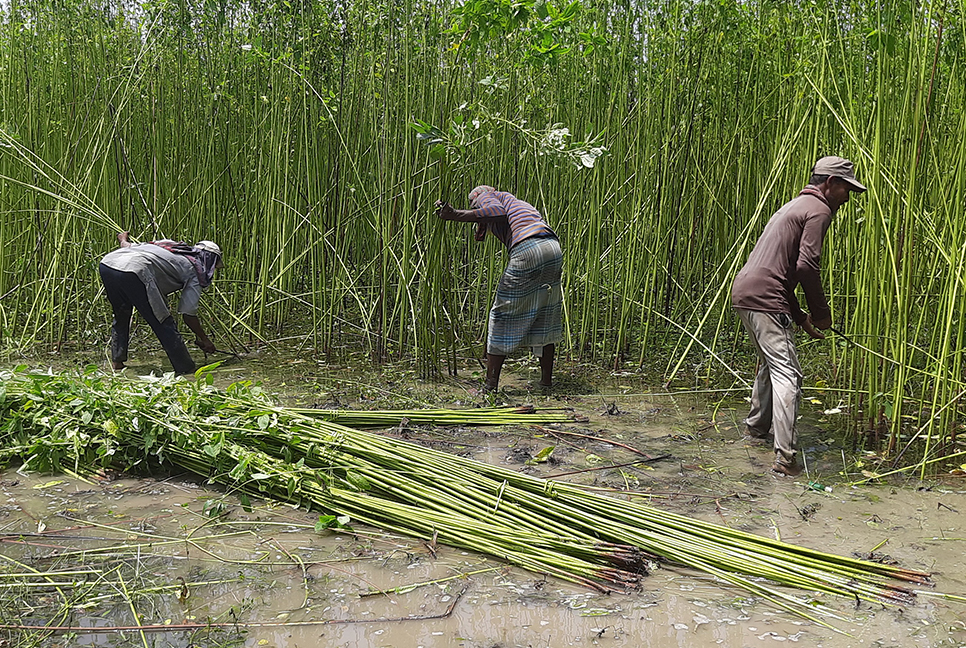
(289, 586)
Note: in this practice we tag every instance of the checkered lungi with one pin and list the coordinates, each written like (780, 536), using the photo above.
(527, 307)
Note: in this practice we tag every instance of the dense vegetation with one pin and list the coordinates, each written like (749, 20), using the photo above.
(311, 139)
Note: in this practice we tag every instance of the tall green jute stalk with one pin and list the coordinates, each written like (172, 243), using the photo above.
(286, 135)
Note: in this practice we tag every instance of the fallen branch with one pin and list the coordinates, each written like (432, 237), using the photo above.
(596, 438)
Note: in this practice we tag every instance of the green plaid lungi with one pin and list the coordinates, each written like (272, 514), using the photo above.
(527, 308)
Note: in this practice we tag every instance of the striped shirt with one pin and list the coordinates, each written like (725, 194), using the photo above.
(522, 221)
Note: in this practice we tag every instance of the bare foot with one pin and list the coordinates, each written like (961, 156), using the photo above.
(786, 470)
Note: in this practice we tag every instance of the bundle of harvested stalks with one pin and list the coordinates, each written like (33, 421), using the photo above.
(478, 416)
(241, 439)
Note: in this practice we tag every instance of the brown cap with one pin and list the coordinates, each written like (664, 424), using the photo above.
(840, 168)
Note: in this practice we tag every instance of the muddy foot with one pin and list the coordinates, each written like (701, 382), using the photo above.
(786, 470)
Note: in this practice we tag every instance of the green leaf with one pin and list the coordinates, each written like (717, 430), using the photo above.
(879, 40)
(540, 7)
(357, 481)
(325, 522)
(570, 12)
(332, 522)
(239, 469)
(202, 371)
(420, 126)
(214, 508)
(542, 456)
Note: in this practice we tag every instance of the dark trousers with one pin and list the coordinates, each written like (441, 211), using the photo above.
(126, 291)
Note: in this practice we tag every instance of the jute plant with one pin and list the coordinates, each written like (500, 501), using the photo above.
(285, 133)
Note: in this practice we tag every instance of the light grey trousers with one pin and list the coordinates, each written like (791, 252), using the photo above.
(778, 385)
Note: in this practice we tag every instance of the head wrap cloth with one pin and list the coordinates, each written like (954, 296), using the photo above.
(479, 191)
(203, 261)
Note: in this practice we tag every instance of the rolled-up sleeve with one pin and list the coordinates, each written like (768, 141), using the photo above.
(190, 297)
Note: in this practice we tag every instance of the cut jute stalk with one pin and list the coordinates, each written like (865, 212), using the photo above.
(241, 439)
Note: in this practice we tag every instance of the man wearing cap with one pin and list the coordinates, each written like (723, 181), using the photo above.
(526, 310)
(141, 275)
(786, 256)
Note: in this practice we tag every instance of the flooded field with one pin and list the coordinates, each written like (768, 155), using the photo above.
(173, 552)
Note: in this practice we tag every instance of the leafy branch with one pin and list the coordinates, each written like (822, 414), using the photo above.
(453, 144)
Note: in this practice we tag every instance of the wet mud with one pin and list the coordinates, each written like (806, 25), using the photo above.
(151, 551)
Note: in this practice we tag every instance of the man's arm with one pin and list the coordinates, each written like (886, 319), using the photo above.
(447, 212)
(808, 270)
(798, 315)
(201, 339)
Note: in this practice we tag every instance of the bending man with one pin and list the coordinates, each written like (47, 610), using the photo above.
(787, 255)
(527, 308)
(141, 275)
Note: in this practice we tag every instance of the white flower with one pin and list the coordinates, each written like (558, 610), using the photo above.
(557, 137)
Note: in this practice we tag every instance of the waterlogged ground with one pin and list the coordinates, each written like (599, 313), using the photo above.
(127, 551)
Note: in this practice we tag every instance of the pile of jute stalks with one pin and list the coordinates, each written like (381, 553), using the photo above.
(241, 438)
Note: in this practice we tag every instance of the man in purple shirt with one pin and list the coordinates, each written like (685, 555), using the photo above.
(787, 255)
(528, 303)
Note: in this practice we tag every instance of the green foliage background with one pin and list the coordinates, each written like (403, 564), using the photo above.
(295, 134)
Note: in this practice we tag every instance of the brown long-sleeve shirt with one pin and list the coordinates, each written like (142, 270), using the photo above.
(787, 255)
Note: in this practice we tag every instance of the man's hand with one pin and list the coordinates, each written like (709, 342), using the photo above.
(480, 233)
(445, 211)
(809, 327)
(824, 324)
(201, 338)
(205, 344)
(124, 238)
